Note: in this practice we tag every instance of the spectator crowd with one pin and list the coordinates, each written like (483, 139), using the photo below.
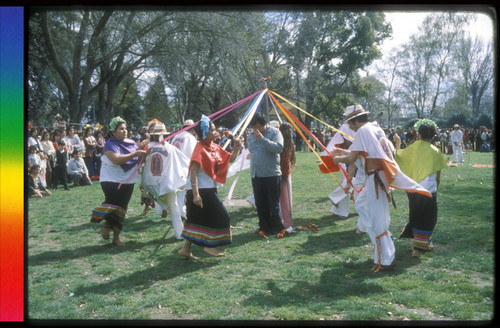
(65, 154)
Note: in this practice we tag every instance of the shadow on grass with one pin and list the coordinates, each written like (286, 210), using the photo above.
(342, 281)
(85, 251)
(165, 269)
(131, 224)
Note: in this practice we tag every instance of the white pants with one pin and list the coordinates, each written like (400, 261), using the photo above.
(362, 209)
(181, 196)
(169, 201)
(457, 154)
(340, 202)
(377, 223)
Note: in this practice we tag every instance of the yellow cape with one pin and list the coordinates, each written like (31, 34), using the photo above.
(419, 160)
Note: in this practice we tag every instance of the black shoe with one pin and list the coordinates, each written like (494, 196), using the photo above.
(66, 188)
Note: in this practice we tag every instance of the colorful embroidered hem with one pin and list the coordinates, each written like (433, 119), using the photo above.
(100, 213)
(208, 237)
(147, 199)
(421, 238)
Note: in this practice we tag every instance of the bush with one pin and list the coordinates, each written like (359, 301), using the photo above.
(459, 119)
(483, 120)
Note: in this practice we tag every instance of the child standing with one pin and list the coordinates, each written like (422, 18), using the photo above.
(61, 165)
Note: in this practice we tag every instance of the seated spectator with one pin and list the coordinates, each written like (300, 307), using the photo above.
(36, 188)
(78, 171)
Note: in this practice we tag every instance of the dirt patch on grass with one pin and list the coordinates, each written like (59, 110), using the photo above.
(427, 315)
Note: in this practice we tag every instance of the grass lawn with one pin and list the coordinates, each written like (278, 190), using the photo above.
(72, 273)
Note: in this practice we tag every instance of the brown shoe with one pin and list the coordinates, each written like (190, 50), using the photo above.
(417, 253)
(116, 236)
(105, 230)
(117, 242)
(390, 267)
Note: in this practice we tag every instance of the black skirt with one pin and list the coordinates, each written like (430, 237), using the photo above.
(208, 226)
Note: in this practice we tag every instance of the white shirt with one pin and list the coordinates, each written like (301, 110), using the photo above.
(456, 136)
(114, 173)
(185, 142)
(74, 166)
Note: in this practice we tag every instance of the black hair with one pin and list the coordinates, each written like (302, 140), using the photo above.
(33, 167)
(426, 132)
(199, 132)
(258, 118)
(31, 148)
(286, 130)
(361, 118)
(75, 152)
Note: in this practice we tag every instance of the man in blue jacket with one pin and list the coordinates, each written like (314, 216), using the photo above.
(265, 145)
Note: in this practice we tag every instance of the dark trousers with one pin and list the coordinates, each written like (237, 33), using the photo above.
(60, 176)
(267, 200)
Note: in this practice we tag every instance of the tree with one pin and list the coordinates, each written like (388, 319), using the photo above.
(93, 51)
(475, 64)
(327, 50)
(428, 60)
(156, 102)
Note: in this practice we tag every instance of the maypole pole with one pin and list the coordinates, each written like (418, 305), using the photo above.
(264, 79)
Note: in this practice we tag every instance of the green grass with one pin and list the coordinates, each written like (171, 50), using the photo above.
(74, 274)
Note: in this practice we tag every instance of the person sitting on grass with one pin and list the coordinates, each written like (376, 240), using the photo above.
(78, 171)
(36, 188)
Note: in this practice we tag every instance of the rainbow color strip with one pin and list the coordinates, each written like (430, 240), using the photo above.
(11, 164)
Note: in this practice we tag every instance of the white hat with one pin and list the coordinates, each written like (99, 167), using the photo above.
(274, 124)
(354, 111)
(188, 123)
(159, 129)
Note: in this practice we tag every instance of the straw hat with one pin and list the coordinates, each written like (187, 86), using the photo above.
(159, 129)
(188, 123)
(275, 124)
(354, 111)
(58, 115)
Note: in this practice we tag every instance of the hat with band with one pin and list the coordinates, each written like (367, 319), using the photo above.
(354, 111)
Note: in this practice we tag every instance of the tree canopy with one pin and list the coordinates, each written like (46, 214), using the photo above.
(91, 65)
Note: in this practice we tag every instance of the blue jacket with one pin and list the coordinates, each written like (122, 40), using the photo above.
(265, 153)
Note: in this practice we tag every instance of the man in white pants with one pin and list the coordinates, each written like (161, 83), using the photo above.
(457, 137)
(165, 171)
(185, 142)
(382, 172)
(339, 198)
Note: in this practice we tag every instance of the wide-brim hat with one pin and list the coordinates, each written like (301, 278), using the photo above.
(456, 126)
(274, 124)
(58, 116)
(354, 111)
(159, 129)
(188, 123)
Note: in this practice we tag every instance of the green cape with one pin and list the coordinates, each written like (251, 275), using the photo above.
(419, 160)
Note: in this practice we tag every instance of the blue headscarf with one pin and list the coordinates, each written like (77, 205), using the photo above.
(205, 125)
